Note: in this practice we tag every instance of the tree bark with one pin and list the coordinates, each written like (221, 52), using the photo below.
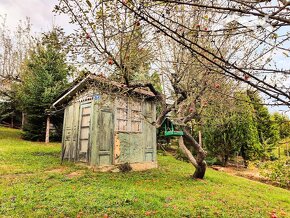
(47, 129)
(23, 117)
(12, 121)
(198, 162)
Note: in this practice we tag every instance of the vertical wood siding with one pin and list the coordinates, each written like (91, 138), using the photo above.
(105, 145)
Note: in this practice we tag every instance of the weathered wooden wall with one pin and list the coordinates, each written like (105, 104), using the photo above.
(138, 147)
(106, 146)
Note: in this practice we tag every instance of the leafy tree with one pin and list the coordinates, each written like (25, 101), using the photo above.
(44, 76)
(9, 112)
(283, 124)
(233, 131)
(267, 129)
(199, 38)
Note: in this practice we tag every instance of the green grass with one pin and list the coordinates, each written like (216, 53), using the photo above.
(30, 188)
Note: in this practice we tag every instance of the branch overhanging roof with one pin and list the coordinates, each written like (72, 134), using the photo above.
(103, 84)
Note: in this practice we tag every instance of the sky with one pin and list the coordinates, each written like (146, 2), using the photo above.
(42, 19)
(39, 12)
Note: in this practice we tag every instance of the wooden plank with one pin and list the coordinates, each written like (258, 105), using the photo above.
(84, 131)
(68, 131)
(105, 136)
(74, 154)
(93, 136)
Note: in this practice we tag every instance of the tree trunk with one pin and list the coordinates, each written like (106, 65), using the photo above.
(47, 129)
(200, 171)
(225, 159)
(198, 162)
(23, 117)
(12, 121)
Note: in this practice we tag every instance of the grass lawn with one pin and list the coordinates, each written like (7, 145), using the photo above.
(34, 184)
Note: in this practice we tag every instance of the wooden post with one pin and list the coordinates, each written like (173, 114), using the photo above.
(199, 138)
(47, 129)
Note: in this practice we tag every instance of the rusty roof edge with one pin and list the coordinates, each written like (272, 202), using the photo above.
(101, 79)
(123, 86)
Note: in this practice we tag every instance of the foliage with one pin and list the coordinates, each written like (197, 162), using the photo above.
(277, 171)
(267, 129)
(186, 38)
(283, 124)
(9, 114)
(44, 76)
(14, 47)
(232, 132)
(34, 184)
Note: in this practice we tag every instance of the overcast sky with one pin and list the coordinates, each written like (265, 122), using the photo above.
(42, 19)
(39, 12)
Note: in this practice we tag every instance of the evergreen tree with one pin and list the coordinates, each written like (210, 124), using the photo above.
(282, 123)
(267, 129)
(44, 76)
(234, 132)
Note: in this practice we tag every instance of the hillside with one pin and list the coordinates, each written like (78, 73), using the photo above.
(34, 184)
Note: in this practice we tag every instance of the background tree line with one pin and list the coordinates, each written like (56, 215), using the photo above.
(201, 57)
(246, 129)
(33, 72)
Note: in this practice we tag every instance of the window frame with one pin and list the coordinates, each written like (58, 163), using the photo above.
(129, 110)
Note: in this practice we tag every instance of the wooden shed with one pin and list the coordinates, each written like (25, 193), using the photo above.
(108, 124)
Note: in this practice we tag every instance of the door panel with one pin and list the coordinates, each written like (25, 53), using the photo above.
(105, 137)
(84, 131)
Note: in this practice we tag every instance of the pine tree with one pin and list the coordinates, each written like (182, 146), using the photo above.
(267, 129)
(44, 76)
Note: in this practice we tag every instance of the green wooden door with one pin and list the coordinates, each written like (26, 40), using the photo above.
(105, 136)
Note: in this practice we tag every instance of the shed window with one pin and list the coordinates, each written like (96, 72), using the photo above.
(128, 116)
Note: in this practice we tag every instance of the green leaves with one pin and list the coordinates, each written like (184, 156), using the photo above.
(44, 77)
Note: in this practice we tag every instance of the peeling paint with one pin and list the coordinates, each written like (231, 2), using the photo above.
(117, 148)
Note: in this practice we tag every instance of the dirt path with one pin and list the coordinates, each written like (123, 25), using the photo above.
(252, 173)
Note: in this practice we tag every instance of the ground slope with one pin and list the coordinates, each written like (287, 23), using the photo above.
(34, 184)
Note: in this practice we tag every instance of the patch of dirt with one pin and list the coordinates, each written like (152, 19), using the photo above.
(12, 176)
(252, 174)
(75, 174)
(56, 170)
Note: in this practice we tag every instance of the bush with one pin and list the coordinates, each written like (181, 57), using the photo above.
(125, 167)
(277, 171)
(212, 161)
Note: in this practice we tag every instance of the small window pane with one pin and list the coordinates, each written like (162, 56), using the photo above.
(136, 106)
(86, 110)
(121, 103)
(136, 116)
(136, 126)
(122, 114)
(122, 125)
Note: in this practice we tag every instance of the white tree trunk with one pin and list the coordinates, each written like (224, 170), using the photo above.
(47, 129)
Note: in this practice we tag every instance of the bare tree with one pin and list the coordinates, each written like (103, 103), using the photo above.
(14, 46)
(194, 44)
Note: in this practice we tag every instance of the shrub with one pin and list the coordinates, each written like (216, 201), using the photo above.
(125, 167)
(277, 171)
